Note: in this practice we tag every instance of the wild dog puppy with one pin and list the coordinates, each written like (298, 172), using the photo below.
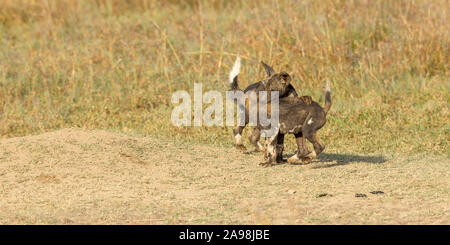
(303, 120)
(280, 82)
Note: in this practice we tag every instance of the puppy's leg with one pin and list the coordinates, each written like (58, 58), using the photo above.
(309, 130)
(238, 138)
(318, 147)
(254, 139)
(271, 151)
(302, 148)
(280, 148)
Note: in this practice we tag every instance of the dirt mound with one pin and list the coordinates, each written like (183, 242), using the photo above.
(74, 176)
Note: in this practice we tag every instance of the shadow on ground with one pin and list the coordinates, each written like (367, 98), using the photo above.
(342, 159)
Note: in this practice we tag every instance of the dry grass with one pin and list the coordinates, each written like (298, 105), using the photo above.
(74, 176)
(114, 65)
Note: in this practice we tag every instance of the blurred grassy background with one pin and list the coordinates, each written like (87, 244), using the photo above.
(111, 64)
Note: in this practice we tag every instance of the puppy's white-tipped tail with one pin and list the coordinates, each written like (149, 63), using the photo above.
(236, 68)
(328, 86)
(234, 74)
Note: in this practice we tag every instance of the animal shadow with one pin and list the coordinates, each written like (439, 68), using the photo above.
(342, 159)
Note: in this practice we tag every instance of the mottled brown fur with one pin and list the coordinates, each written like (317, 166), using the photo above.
(280, 82)
(303, 120)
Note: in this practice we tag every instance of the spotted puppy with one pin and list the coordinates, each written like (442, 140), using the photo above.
(280, 82)
(303, 120)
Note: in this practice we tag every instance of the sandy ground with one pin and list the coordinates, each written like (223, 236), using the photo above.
(75, 176)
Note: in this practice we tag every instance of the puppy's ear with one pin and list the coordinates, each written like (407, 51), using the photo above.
(269, 70)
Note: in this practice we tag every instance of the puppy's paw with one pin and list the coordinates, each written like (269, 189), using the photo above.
(305, 160)
(261, 148)
(279, 159)
(309, 157)
(241, 148)
(293, 159)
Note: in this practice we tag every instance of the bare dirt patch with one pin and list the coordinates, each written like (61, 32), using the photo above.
(74, 176)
